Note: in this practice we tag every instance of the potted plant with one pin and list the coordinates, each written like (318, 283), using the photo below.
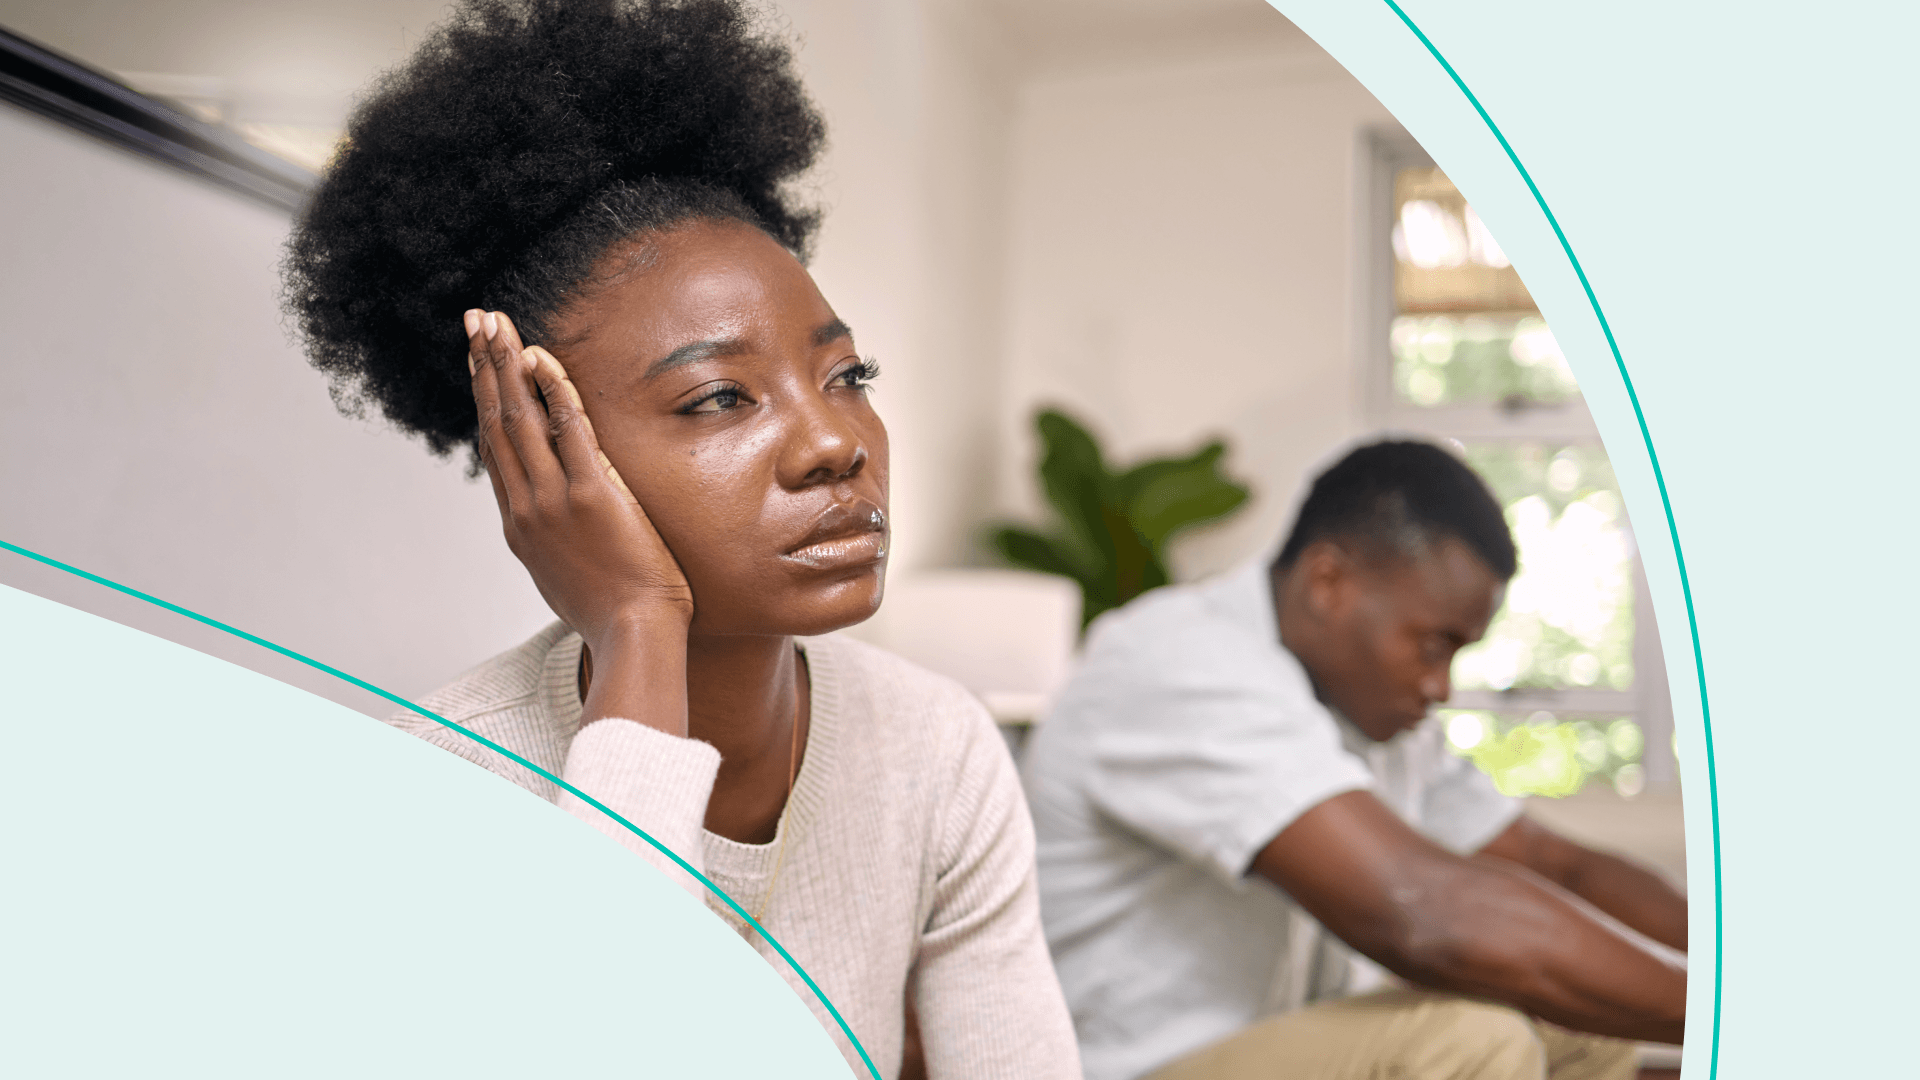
(1113, 527)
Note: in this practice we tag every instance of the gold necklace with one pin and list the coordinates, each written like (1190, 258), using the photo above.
(780, 848)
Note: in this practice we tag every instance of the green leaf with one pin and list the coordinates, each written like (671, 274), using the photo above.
(1128, 485)
(1131, 558)
(1029, 549)
(1152, 575)
(1075, 477)
(1181, 498)
(1113, 529)
(1091, 609)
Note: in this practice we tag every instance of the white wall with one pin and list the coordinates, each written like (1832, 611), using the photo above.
(1181, 266)
(162, 432)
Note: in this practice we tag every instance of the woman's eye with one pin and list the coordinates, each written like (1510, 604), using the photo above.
(859, 376)
(718, 401)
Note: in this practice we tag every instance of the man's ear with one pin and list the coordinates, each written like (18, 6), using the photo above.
(1328, 578)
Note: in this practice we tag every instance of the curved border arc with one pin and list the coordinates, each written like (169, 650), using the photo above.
(1666, 503)
(483, 741)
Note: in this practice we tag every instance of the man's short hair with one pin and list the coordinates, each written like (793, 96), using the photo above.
(1403, 498)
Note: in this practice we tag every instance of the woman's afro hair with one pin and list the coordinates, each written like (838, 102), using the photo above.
(499, 164)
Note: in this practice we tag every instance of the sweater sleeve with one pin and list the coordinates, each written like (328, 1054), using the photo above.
(659, 782)
(989, 1003)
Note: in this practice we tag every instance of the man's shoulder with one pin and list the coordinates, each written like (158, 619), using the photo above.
(1209, 632)
(1184, 663)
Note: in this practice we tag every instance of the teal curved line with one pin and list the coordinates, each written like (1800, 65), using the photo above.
(483, 741)
(1666, 504)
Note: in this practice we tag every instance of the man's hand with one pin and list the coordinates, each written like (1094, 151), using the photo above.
(1485, 927)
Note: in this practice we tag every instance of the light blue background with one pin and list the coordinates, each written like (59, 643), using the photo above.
(1736, 181)
(212, 874)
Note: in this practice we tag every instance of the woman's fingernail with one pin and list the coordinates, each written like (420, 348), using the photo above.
(472, 368)
(532, 353)
(492, 324)
(472, 320)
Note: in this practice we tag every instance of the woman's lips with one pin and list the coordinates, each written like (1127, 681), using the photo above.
(841, 554)
(847, 535)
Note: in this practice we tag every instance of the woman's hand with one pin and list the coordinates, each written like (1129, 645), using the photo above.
(569, 518)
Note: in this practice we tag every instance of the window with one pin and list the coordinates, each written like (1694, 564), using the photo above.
(1568, 687)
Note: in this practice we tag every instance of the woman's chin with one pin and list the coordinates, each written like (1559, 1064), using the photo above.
(807, 609)
(848, 602)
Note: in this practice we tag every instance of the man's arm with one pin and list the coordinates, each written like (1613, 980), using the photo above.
(1483, 927)
(1625, 891)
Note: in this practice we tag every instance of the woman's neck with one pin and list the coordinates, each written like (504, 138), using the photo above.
(742, 694)
(748, 697)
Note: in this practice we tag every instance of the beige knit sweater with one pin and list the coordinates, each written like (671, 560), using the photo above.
(909, 861)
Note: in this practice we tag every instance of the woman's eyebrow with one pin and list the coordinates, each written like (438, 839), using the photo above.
(696, 351)
(693, 353)
(831, 332)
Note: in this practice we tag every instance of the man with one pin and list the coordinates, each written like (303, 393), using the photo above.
(1237, 787)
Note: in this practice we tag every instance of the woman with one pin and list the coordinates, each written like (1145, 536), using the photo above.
(558, 236)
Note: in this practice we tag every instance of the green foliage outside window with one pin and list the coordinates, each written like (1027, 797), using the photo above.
(1496, 357)
(1568, 618)
(1543, 754)
(1113, 525)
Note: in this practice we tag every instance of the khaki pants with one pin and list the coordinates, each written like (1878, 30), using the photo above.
(1406, 1035)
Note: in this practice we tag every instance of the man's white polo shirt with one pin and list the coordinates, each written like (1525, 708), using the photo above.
(1187, 739)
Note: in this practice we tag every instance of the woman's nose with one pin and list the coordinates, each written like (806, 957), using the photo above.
(1437, 686)
(823, 446)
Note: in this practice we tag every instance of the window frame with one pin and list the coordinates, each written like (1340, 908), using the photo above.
(1382, 153)
(87, 100)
